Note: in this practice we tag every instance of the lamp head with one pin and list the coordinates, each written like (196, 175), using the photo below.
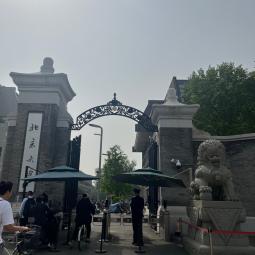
(93, 125)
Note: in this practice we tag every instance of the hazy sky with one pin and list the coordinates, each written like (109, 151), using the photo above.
(131, 47)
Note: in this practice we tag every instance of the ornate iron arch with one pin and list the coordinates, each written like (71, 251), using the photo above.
(114, 107)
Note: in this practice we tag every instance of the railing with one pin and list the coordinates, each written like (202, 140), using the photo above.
(122, 219)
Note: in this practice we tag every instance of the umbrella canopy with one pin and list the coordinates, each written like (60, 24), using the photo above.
(60, 173)
(149, 177)
(67, 174)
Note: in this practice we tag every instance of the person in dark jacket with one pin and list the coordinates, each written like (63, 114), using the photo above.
(137, 206)
(52, 229)
(28, 210)
(41, 212)
(84, 211)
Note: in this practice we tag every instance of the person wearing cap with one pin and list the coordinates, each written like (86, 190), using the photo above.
(137, 206)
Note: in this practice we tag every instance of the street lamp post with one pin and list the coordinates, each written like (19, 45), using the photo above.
(100, 155)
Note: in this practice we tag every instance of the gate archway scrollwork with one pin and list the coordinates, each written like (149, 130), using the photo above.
(114, 107)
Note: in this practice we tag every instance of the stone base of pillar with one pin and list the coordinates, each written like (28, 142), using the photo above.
(195, 248)
(217, 216)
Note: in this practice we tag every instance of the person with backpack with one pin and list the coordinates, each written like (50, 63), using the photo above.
(21, 216)
(29, 209)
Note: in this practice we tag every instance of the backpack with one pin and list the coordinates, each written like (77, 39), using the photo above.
(29, 208)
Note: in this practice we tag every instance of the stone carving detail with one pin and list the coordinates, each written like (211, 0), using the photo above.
(210, 210)
(193, 214)
(222, 217)
(212, 175)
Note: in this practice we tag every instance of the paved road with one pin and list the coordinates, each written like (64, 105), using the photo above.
(120, 243)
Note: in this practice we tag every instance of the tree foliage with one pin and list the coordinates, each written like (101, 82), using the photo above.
(116, 163)
(226, 95)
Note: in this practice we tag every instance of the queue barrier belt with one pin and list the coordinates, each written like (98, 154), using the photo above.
(226, 232)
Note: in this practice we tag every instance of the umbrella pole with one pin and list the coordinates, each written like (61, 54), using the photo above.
(69, 226)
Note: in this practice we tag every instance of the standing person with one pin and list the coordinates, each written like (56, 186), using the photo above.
(22, 220)
(28, 210)
(106, 204)
(84, 211)
(45, 198)
(6, 214)
(52, 230)
(137, 206)
(41, 212)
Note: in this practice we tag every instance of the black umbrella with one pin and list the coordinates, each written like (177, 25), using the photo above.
(149, 177)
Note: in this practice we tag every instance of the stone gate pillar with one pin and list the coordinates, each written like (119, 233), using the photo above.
(40, 134)
(174, 138)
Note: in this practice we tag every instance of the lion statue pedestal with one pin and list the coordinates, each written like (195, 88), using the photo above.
(215, 206)
(216, 215)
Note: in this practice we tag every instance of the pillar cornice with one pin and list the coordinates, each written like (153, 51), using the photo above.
(173, 115)
(46, 85)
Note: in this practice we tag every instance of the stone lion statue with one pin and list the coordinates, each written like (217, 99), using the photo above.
(213, 180)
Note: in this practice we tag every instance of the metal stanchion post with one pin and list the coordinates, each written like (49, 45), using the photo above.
(180, 224)
(107, 227)
(103, 233)
(210, 240)
(121, 219)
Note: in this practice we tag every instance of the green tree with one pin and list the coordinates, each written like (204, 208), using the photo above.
(226, 95)
(116, 163)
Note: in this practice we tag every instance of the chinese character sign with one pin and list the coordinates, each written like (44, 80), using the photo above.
(31, 148)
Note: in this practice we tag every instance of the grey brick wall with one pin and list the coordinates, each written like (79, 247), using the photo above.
(62, 138)
(52, 150)
(175, 143)
(61, 146)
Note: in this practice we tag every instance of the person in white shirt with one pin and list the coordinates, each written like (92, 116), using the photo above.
(6, 214)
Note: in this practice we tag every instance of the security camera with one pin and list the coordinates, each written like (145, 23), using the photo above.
(172, 160)
(178, 164)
